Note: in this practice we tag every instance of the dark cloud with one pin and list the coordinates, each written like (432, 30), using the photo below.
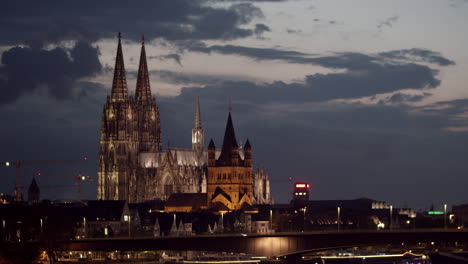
(322, 87)
(173, 56)
(27, 70)
(53, 21)
(420, 55)
(387, 23)
(293, 31)
(261, 28)
(398, 98)
(364, 75)
(340, 60)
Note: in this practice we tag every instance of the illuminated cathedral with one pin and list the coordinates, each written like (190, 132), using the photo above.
(134, 167)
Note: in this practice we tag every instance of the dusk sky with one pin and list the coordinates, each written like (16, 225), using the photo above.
(359, 98)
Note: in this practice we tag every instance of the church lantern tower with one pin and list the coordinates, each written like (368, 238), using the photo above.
(229, 184)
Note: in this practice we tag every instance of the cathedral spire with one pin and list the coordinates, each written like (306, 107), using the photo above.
(119, 84)
(143, 90)
(198, 115)
(198, 136)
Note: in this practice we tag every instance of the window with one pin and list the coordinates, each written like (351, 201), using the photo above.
(168, 189)
(219, 176)
(229, 176)
(224, 176)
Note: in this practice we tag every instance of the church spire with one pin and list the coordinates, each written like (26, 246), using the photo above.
(198, 136)
(198, 115)
(143, 90)
(230, 149)
(119, 84)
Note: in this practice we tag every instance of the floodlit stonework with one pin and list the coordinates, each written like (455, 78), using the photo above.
(132, 164)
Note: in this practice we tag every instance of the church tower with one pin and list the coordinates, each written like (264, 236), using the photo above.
(119, 139)
(34, 193)
(229, 184)
(197, 132)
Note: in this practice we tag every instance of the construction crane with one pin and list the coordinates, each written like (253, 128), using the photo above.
(18, 192)
(79, 178)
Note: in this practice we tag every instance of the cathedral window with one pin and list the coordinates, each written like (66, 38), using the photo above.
(219, 176)
(224, 176)
(229, 176)
(168, 189)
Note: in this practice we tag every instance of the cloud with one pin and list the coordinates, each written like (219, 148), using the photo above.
(387, 23)
(363, 75)
(293, 31)
(261, 28)
(399, 98)
(28, 70)
(55, 21)
(418, 55)
(339, 60)
(173, 56)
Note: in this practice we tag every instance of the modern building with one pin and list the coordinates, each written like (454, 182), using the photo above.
(301, 191)
(134, 167)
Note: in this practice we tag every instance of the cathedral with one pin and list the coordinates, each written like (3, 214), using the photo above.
(134, 167)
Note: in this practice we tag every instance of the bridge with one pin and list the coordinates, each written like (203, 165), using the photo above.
(271, 245)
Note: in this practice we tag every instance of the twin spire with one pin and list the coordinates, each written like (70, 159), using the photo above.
(143, 90)
(119, 84)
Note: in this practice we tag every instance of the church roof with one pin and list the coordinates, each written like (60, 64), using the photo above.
(229, 144)
(109, 210)
(194, 200)
(119, 83)
(184, 157)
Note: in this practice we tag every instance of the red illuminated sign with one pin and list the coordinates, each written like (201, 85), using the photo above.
(302, 185)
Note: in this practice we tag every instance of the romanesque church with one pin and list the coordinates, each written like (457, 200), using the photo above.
(134, 167)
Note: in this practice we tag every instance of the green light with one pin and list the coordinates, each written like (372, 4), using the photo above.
(7, 163)
(435, 212)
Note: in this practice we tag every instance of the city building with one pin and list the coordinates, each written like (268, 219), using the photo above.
(134, 167)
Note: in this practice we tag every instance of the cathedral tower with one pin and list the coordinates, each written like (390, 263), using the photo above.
(118, 140)
(230, 176)
(197, 132)
(149, 127)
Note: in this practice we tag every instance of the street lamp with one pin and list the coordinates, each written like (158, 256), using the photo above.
(271, 220)
(338, 209)
(391, 217)
(445, 216)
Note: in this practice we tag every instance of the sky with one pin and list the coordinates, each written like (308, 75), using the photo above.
(359, 98)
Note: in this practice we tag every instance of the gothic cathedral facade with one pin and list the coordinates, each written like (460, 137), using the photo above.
(133, 166)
